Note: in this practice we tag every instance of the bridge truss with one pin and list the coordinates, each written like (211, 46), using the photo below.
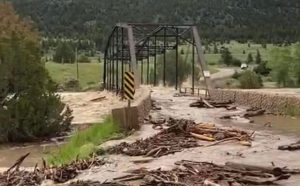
(136, 47)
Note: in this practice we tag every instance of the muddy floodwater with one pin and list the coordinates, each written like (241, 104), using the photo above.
(282, 124)
(10, 153)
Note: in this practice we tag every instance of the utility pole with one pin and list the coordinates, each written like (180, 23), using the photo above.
(76, 61)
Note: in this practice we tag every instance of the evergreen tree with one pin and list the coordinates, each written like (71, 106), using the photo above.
(64, 53)
(250, 58)
(226, 57)
(29, 107)
(216, 51)
(258, 58)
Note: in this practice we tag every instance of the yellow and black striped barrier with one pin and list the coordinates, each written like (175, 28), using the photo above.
(129, 85)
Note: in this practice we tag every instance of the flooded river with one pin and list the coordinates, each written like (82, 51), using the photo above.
(281, 124)
(10, 153)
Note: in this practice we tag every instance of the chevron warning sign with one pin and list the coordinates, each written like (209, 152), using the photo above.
(129, 85)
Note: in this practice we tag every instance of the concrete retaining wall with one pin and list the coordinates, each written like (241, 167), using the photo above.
(275, 103)
(131, 118)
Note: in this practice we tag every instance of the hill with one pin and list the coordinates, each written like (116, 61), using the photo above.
(273, 21)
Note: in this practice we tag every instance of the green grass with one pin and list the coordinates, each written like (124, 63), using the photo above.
(89, 73)
(236, 49)
(84, 143)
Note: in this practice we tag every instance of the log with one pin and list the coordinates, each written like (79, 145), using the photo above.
(202, 137)
(207, 104)
(246, 143)
(261, 181)
(18, 163)
(210, 183)
(222, 141)
(254, 113)
(198, 104)
(206, 125)
(276, 171)
(98, 99)
(291, 147)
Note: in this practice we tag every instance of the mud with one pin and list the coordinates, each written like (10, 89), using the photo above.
(263, 151)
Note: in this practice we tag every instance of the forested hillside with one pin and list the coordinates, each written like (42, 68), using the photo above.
(258, 20)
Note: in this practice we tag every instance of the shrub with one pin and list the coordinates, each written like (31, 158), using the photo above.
(182, 51)
(84, 59)
(262, 69)
(236, 75)
(250, 80)
(236, 62)
(71, 84)
(29, 106)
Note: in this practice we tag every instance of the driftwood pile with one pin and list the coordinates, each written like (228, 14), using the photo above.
(64, 173)
(22, 178)
(168, 141)
(203, 103)
(190, 173)
(14, 176)
(181, 134)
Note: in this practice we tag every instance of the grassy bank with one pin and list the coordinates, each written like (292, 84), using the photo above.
(89, 73)
(84, 143)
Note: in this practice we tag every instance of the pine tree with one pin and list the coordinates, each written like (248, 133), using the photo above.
(250, 58)
(29, 107)
(64, 53)
(226, 57)
(258, 58)
(216, 51)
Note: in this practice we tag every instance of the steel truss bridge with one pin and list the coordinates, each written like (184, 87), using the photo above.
(134, 46)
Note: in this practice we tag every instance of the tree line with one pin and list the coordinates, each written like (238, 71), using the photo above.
(267, 21)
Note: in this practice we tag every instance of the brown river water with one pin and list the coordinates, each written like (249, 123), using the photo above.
(10, 153)
(281, 124)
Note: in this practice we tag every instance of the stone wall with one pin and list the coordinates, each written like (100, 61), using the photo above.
(131, 118)
(275, 103)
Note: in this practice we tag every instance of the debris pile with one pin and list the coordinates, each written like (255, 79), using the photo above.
(208, 174)
(202, 103)
(168, 141)
(181, 134)
(291, 147)
(209, 132)
(60, 174)
(251, 112)
(22, 178)
(154, 106)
